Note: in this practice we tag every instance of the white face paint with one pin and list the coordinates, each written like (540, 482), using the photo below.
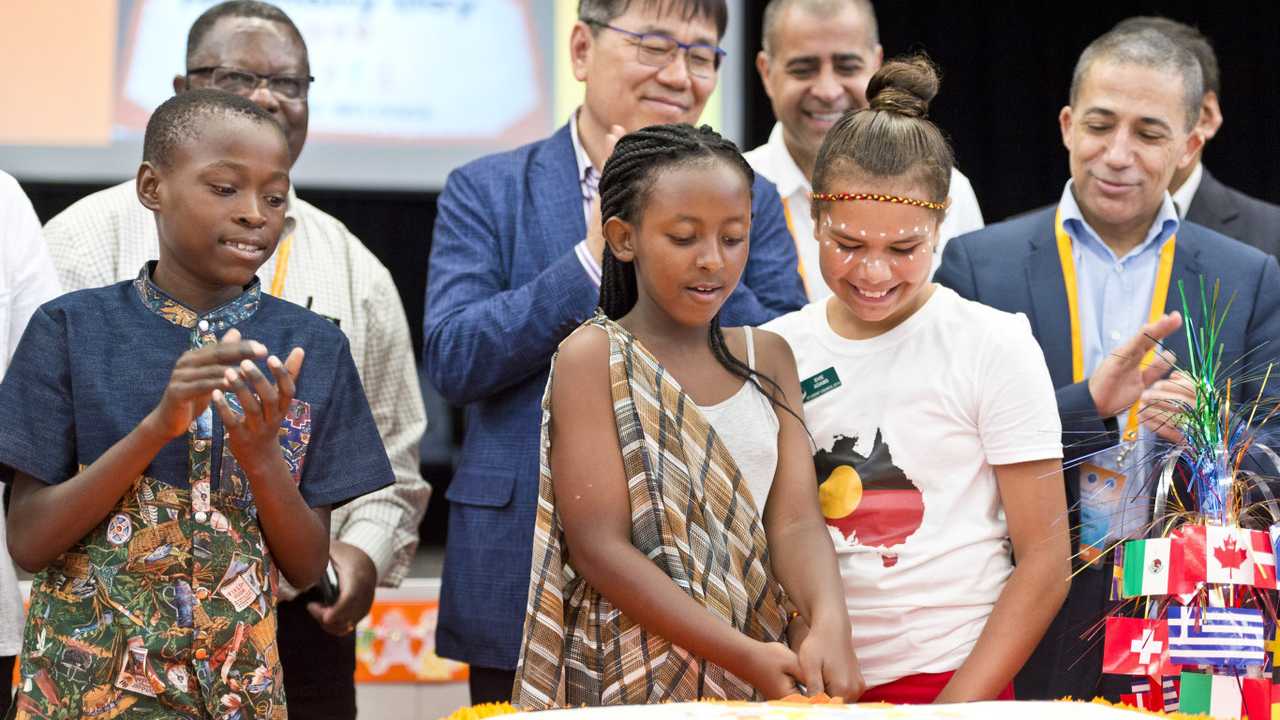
(875, 269)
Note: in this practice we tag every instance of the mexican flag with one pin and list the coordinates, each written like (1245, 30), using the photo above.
(1146, 567)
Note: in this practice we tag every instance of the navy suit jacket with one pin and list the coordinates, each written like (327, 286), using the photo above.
(1236, 215)
(1014, 266)
(504, 287)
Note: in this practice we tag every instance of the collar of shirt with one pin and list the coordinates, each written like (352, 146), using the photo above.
(1182, 198)
(781, 167)
(588, 176)
(1085, 238)
(216, 321)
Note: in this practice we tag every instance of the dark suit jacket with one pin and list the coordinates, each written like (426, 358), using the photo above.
(1236, 215)
(504, 287)
(1014, 266)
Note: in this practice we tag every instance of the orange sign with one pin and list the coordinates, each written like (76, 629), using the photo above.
(396, 643)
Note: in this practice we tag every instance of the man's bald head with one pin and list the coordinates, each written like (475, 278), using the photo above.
(775, 9)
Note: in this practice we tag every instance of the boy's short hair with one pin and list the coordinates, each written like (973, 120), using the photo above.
(181, 118)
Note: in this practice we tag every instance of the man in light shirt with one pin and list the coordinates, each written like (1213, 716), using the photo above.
(253, 49)
(27, 280)
(817, 59)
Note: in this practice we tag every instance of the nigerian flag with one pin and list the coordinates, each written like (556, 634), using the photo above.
(1146, 567)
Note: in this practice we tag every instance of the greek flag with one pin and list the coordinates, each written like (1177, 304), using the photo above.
(1221, 637)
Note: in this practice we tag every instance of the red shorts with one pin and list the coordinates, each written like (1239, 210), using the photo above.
(919, 689)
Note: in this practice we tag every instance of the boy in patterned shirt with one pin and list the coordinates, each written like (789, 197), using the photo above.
(157, 514)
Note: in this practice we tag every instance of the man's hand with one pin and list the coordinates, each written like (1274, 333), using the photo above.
(357, 579)
(595, 223)
(1164, 402)
(1120, 379)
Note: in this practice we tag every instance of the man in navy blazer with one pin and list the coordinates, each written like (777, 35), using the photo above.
(1111, 244)
(515, 267)
(1199, 196)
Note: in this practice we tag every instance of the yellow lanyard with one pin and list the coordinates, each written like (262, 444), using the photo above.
(791, 228)
(282, 266)
(1158, 296)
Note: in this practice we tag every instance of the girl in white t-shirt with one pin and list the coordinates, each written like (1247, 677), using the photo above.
(937, 436)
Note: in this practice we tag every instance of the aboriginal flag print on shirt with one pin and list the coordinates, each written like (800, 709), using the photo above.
(867, 499)
(908, 428)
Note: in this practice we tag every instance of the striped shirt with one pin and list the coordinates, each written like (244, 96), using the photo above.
(107, 236)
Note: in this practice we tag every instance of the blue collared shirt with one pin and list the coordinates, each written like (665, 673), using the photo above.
(1114, 300)
(1114, 293)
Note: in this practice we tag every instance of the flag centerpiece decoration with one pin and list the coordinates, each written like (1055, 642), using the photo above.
(1195, 623)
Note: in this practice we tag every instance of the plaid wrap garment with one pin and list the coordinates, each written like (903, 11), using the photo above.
(693, 516)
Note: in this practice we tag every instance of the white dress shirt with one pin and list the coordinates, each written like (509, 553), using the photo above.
(27, 280)
(774, 161)
(1182, 199)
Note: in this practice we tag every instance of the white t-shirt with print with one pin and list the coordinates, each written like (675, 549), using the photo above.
(908, 426)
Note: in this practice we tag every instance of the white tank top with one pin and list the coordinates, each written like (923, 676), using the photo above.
(748, 426)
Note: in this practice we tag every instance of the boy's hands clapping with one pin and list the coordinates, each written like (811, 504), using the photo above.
(254, 436)
(196, 376)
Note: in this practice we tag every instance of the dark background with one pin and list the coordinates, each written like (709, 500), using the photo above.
(1006, 69)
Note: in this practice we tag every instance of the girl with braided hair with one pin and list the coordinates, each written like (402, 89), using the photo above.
(678, 532)
(935, 421)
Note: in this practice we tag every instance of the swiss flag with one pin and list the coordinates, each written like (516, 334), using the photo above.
(1136, 646)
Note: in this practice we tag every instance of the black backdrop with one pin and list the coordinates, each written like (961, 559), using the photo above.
(1006, 68)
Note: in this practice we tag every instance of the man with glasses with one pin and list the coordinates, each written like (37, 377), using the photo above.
(254, 49)
(515, 266)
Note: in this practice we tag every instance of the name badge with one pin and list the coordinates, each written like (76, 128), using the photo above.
(815, 386)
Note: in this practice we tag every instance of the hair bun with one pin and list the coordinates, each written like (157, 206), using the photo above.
(904, 86)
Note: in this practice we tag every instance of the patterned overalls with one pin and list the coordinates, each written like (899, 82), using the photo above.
(166, 609)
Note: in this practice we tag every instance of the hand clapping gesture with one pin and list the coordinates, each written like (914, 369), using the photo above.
(254, 436)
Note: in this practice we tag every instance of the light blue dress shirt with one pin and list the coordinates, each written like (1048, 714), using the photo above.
(1114, 302)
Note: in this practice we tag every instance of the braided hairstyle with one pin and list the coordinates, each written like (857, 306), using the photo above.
(625, 183)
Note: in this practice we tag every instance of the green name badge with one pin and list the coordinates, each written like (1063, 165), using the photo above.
(815, 386)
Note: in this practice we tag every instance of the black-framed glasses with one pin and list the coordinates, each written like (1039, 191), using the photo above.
(244, 82)
(659, 50)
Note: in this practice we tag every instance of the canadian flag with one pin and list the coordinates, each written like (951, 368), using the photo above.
(1136, 646)
(1221, 555)
(1227, 556)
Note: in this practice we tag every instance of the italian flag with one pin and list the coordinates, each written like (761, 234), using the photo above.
(1216, 695)
(1146, 567)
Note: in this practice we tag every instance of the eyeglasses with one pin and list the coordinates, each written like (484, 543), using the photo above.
(244, 82)
(658, 50)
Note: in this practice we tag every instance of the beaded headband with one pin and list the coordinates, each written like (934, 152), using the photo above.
(898, 199)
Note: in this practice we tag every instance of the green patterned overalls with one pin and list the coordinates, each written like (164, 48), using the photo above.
(167, 609)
